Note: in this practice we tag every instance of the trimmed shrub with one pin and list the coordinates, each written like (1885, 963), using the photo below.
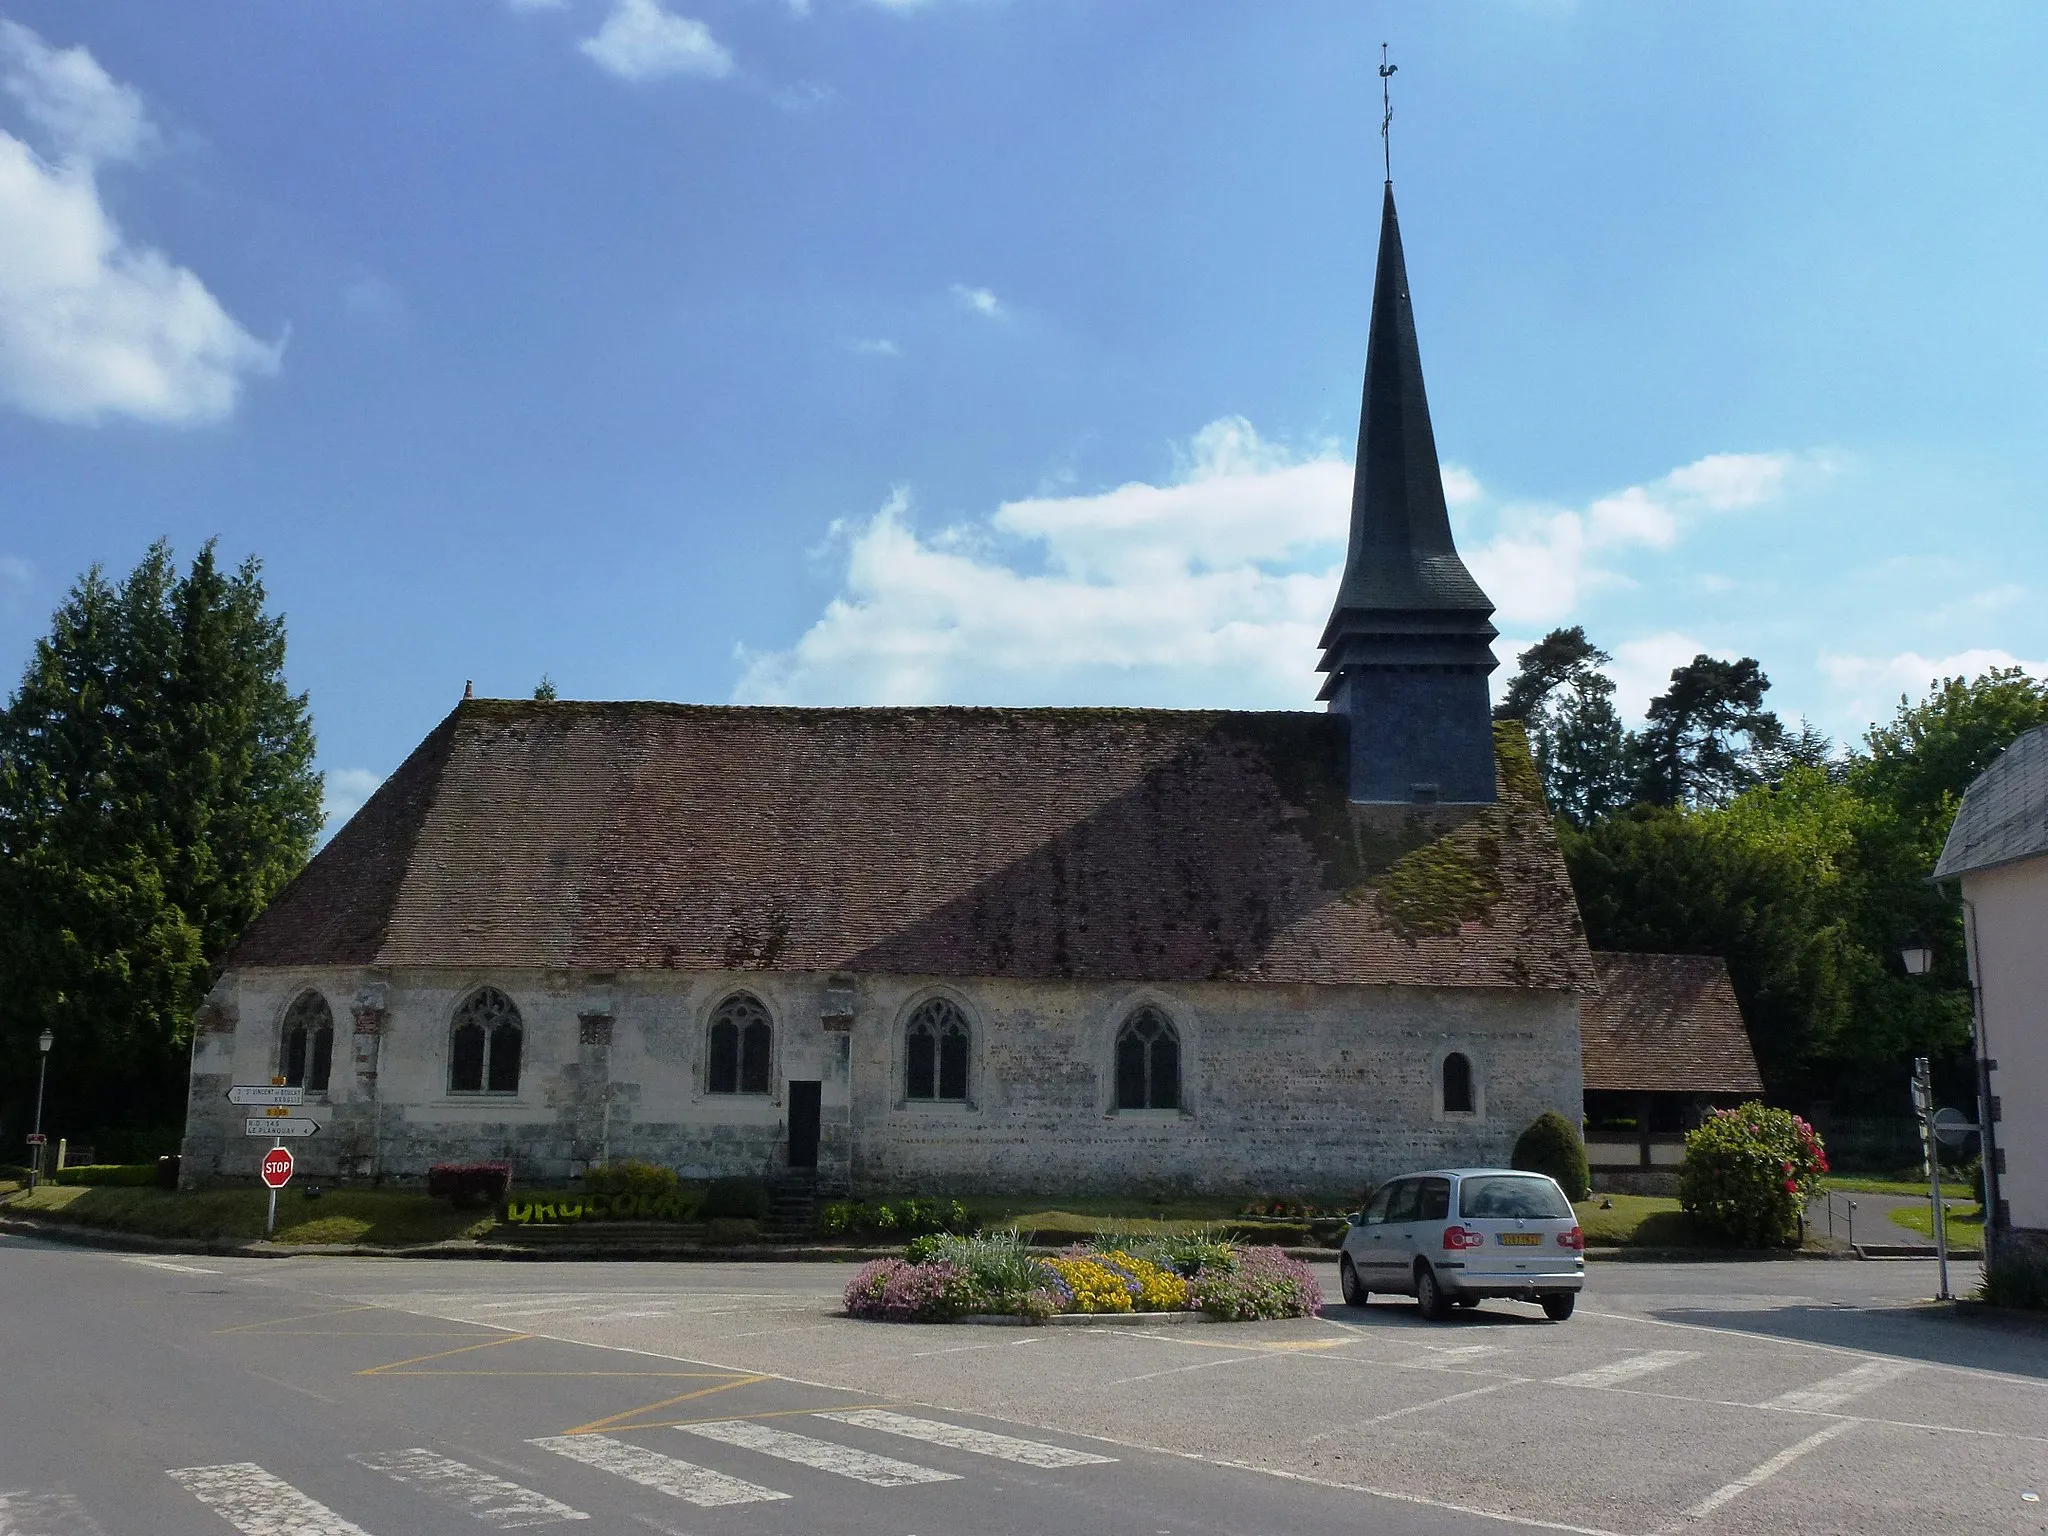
(124, 1175)
(738, 1199)
(641, 1181)
(1552, 1145)
(467, 1183)
(1748, 1173)
(900, 1218)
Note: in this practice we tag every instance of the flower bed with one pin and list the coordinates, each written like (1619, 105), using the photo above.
(941, 1278)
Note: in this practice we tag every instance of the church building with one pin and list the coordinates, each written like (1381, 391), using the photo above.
(953, 950)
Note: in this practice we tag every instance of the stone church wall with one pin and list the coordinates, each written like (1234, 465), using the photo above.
(1293, 1088)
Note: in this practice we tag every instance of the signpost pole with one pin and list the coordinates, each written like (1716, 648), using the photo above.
(270, 1226)
(1923, 1100)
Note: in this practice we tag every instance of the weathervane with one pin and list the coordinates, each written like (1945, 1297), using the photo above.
(1386, 111)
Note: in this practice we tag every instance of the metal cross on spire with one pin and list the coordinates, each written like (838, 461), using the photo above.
(1386, 111)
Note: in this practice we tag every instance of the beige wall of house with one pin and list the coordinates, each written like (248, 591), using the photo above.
(2007, 912)
(1283, 1088)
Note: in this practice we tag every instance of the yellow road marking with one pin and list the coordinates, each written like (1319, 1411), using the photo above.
(595, 1425)
(592, 1375)
(303, 1317)
(778, 1413)
(380, 1370)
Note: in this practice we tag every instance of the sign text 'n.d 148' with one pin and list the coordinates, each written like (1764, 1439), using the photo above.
(262, 1125)
(265, 1094)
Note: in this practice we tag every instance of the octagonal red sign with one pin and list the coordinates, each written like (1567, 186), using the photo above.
(277, 1167)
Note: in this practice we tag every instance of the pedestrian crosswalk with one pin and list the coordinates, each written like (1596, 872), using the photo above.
(492, 1499)
(982, 1442)
(664, 1474)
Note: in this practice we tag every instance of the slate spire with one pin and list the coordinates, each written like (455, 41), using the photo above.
(1409, 642)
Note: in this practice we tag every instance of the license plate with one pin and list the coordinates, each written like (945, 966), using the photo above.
(1522, 1239)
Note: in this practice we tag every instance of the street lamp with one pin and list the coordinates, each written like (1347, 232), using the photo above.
(43, 1043)
(1917, 955)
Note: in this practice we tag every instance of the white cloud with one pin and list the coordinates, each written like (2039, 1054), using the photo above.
(1871, 685)
(875, 346)
(1208, 589)
(980, 300)
(641, 41)
(1541, 560)
(91, 324)
(344, 792)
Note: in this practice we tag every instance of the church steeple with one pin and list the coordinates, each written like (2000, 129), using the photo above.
(1409, 642)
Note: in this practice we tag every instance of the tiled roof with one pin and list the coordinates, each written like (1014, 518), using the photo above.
(1134, 844)
(1665, 1024)
(2004, 815)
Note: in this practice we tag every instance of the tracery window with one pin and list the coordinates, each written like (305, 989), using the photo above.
(306, 1043)
(1147, 1062)
(935, 1053)
(485, 1044)
(1457, 1084)
(742, 1046)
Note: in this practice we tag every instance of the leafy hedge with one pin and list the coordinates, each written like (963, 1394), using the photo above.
(897, 1218)
(738, 1199)
(1748, 1173)
(104, 1175)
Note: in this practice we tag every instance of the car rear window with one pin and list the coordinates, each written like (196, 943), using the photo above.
(1504, 1197)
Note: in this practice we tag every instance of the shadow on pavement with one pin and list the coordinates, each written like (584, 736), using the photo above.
(1933, 1332)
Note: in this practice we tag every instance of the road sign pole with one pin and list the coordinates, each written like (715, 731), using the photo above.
(1923, 1101)
(270, 1226)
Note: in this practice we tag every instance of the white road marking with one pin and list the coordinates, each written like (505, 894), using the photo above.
(1769, 1469)
(51, 1513)
(492, 1499)
(1032, 1453)
(1833, 1391)
(1627, 1368)
(257, 1504)
(182, 1269)
(968, 1349)
(650, 1469)
(822, 1455)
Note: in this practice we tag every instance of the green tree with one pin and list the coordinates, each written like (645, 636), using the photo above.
(1566, 703)
(156, 789)
(1700, 736)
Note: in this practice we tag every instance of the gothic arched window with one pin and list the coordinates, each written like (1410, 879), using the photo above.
(935, 1053)
(485, 1044)
(742, 1045)
(1147, 1062)
(306, 1044)
(1457, 1084)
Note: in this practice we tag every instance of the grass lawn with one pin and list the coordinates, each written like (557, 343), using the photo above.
(1644, 1221)
(1965, 1222)
(340, 1216)
(1950, 1184)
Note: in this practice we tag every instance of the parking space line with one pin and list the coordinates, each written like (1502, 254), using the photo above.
(651, 1469)
(982, 1442)
(258, 1504)
(1627, 1368)
(181, 1269)
(617, 1420)
(1768, 1470)
(443, 1354)
(1833, 1391)
(302, 1317)
(492, 1499)
(819, 1455)
(1176, 1370)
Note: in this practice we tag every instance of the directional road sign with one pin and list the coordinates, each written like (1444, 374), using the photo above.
(1952, 1128)
(261, 1125)
(254, 1093)
(277, 1167)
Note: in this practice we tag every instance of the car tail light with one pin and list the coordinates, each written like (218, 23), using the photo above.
(1575, 1238)
(1463, 1237)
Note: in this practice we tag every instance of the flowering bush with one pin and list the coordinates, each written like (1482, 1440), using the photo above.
(1096, 1287)
(1263, 1283)
(1152, 1288)
(897, 1291)
(1748, 1172)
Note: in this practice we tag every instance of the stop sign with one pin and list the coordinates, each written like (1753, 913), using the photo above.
(277, 1167)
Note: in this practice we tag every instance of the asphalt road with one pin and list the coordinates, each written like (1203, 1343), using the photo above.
(324, 1397)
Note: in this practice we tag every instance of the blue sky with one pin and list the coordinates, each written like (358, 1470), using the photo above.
(1008, 351)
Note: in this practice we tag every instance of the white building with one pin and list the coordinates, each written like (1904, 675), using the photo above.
(1998, 851)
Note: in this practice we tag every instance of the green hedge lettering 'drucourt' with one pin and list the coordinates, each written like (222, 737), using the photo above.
(548, 1209)
(1748, 1173)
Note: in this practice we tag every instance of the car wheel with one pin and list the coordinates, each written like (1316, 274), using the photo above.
(1558, 1308)
(1430, 1299)
(1355, 1295)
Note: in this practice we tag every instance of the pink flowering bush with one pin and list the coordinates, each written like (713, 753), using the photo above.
(1748, 1173)
(1263, 1283)
(896, 1291)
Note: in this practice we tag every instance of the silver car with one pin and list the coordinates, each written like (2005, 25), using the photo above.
(1452, 1237)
